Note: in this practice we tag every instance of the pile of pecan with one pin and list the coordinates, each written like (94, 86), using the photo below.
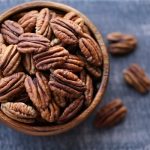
(48, 64)
(134, 75)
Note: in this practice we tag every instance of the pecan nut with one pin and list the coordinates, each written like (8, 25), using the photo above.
(66, 30)
(91, 50)
(51, 113)
(59, 100)
(66, 84)
(110, 114)
(38, 91)
(73, 64)
(74, 17)
(93, 70)
(28, 21)
(2, 49)
(89, 87)
(19, 111)
(31, 42)
(72, 110)
(29, 64)
(43, 22)
(10, 86)
(1, 39)
(86, 30)
(121, 43)
(135, 76)
(10, 60)
(11, 31)
(52, 58)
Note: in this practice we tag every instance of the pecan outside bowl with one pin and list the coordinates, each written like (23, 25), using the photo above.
(57, 129)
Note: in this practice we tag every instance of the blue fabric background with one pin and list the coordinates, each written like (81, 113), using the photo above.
(132, 134)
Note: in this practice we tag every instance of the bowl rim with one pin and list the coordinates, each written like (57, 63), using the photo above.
(57, 129)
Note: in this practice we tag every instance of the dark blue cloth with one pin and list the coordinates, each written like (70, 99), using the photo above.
(132, 134)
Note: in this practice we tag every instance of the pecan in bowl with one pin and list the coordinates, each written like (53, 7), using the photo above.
(63, 68)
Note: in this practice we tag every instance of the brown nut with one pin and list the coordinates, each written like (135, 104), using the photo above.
(38, 91)
(43, 22)
(2, 49)
(86, 30)
(52, 58)
(93, 70)
(66, 84)
(91, 50)
(1, 39)
(28, 21)
(110, 114)
(74, 17)
(89, 87)
(19, 111)
(73, 64)
(11, 31)
(135, 76)
(31, 42)
(72, 110)
(66, 30)
(29, 64)
(121, 43)
(10, 60)
(59, 100)
(10, 86)
(51, 113)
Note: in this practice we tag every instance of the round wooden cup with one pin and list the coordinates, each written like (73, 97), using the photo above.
(57, 129)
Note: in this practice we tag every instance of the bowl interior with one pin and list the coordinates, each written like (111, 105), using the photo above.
(51, 130)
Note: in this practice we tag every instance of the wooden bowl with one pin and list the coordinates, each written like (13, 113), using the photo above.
(52, 130)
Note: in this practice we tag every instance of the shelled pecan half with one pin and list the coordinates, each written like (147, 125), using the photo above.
(43, 22)
(10, 60)
(31, 42)
(86, 30)
(51, 113)
(110, 114)
(66, 30)
(1, 39)
(19, 111)
(66, 84)
(29, 64)
(89, 87)
(93, 70)
(52, 58)
(28, 21)
(11, 85)
(74, 17)
(91, 50)
(59, 100)
(2, 49)
(73, 64)
(71, 110)
(11, 31)
(120, 43)
(38, 91)
(135, 76)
